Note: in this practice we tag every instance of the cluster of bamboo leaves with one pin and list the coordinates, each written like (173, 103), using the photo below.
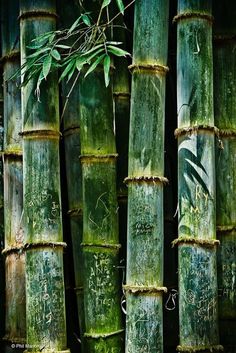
(90, 47)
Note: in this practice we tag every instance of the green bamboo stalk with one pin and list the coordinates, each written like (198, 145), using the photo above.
(104, 332)
(225, 120)
(196, 155)
(71, 132)
(13, 188)
(46, 325)
(144, 286)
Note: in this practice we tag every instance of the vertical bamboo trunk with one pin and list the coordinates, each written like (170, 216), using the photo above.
(46, 328)
(225, 120)
(71, 134)
(196, 154)
(121, 95)
(104, 332)
(2, 276)
(144, 286)
(13, 188)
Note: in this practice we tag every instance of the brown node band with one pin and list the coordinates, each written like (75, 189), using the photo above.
(78, 289)
(75, 212)
(98, 157)
(200, 348)
(144, 289)
(44, 244)
(12, 249)
(71, 130)
(103, 335)
(202, 242)
(227, 132)
(121, 94)
(147, 179)
(194, 129)
(226, 229)
(149, 67)
(17, 154)
(11, 56)
(40, 134)
(187, 15)
(101, 245)
(37, 13)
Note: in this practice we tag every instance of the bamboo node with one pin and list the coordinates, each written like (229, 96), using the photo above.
(12, 249)
(144, 289)
(98, 157)
(226, 229)
(194, 129)
(16, 154)
(147, 179)
(196, 14)
(121, 94)
(102, 245)
(149, 67)
(44, 244)
(78, 289)
(75, 212)
(71, 130)
(37, 13)
(197, 241)
(227, 132)
(103, 335)
(11, 56)
(40, 134)
(213, 348)
(220, 39)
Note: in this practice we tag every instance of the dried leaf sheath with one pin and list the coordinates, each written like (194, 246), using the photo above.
(13, 188)
(144, 281)
(196, 189)
(42, 205)
(225, 115)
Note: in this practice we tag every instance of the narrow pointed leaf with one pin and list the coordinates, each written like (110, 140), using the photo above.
(47, 66)
(55, 53)
(120, 6)
(117, 51)
(94, 65)
(105, 3)
(107, 64)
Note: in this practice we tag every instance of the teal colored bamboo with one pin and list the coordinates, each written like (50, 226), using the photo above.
(13, 188)
(104, 331)
(225, 120)
(71, 134)
(46, 325)
(144, 278)
(196, 156)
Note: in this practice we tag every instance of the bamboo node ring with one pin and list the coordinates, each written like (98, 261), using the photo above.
(144, 289)
(148, 179)
(200, 15)
(194, 129)
(44, 244)
(197, 241)
(103, 335)
(101, 245)
(200, 348)
(149, 67)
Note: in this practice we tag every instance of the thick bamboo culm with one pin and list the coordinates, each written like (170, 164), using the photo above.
(225, 120)
(196, 179)
(45, 317)
(13, 182)
(104, 331)
(144, 274)
(71, 133)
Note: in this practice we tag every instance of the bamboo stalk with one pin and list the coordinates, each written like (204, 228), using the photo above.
(46, 324)
(13, 188)
(225, 114)
(196, 189)
(71, 134)
(104, 331)
(144, 286)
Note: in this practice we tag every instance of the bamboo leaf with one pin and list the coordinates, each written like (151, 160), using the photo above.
(74, 25)
(120, 6)
(105, 3)
(93, 49)
(117, 51)
(47, 66)
(107, 64)
(62, 46)
(55, 54)
(94, 65)
(38, 53)
(86, 20)
(67, 70)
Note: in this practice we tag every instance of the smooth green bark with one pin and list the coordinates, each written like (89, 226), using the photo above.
(225, 120)
(46, 327)
(13, 188)
(144, 281)
(196, 189)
